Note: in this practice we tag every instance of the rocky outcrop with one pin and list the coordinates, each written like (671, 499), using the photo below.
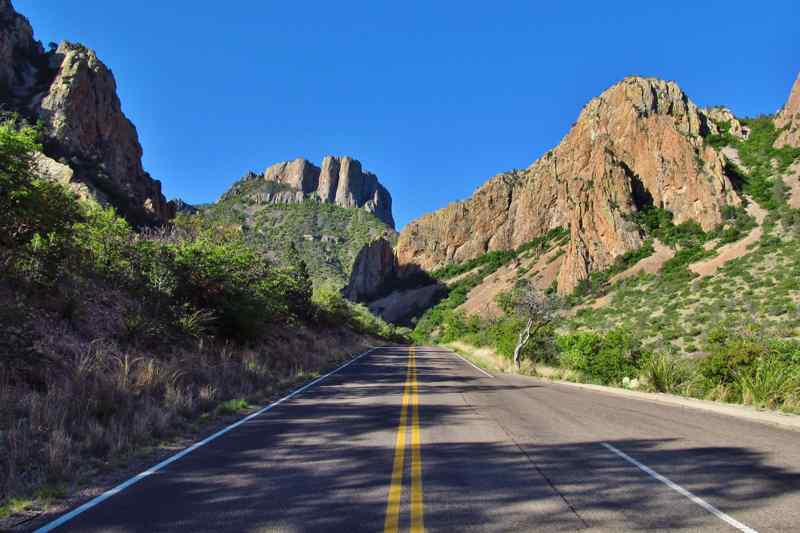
(340, 180)
(373, 266)
(74, 95)
(722, 117)
(184, 207)
(637, 144)
(788, 119)
(19, 52)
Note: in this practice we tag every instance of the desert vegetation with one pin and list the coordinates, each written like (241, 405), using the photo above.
(328, 237)
(729, 336)
(117, 338)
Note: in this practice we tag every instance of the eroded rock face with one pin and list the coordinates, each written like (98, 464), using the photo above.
(84, 120)
(18, 51)
(723, 115)
(374, 264)
(639, 143)
(74, 94)
(340, 180)
(789, 118)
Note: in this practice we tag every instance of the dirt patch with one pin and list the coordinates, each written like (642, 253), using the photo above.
(540, 270)
(650, 264)
(731, 251)
(546, 269)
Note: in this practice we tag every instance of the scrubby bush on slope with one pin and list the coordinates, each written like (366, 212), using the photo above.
(112, 338)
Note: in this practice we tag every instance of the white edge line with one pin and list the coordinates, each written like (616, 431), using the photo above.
(680, 490)
(153, 469)
(470, 363)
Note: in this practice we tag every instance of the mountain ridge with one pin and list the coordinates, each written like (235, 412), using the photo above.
(640, 142)
(340, 180)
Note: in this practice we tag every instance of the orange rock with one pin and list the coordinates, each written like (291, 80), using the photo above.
(638, 143)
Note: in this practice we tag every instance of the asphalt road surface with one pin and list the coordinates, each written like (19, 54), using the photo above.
(407, 439)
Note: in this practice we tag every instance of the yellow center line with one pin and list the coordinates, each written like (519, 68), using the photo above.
(410, 396)
(392, 519)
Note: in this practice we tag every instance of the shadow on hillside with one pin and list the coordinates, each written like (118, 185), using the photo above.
(323, 462)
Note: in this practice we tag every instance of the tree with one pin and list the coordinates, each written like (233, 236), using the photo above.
(536, 309)
(31, 207)
(301, 285)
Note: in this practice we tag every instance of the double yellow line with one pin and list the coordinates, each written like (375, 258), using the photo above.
(410, 396)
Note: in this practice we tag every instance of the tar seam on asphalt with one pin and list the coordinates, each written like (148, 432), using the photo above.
(532, 462)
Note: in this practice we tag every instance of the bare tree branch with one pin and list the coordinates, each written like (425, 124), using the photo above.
(537, 309)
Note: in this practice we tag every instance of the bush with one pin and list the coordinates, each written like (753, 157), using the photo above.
(36, 215)
(769, 383)
(604, 358)
(665, 373)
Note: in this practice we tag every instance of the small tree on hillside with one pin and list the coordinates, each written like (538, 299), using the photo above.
(536, 309)
(301, 283)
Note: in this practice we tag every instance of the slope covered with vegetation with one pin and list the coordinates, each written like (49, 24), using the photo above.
(328, 237)
(114, 340)
(729, 334)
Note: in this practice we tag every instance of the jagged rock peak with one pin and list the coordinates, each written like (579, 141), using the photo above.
(74, 94)
(789, 118)
(639, 143)
(340, 180)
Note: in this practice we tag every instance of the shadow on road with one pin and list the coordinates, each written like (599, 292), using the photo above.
(322, 462)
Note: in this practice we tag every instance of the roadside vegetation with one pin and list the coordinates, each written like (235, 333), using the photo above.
(116, 339)
(328, 237)
(728, 336)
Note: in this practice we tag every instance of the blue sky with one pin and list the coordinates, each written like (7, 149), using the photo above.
(434, 97)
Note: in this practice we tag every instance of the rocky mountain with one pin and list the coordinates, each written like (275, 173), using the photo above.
(88, 140)
(340, 181)
(374, 264)
(338, 216)
(788, 119)
(639, 144)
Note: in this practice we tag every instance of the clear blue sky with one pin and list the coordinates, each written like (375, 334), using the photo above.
(434, 97)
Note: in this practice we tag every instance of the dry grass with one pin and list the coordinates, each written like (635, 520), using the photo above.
(490, 360)
(98, 401)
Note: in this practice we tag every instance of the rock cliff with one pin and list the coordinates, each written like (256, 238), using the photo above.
(639, 143)
(789, 118)
(74, 95)
(374, 264)
(339, 181)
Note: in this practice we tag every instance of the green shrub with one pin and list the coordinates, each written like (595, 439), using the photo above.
(604, 358)
(769, 382)
(36, 214)
(665, 373)
(578, 349)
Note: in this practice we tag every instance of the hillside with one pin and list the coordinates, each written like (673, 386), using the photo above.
(639, 144)
(707, 310)
(329, 214)
(120, 332)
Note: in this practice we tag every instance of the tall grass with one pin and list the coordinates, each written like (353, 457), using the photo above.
(105, 401)
(664, 373)
(769, 384)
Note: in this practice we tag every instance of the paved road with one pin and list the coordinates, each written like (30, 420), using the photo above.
(476, 453)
